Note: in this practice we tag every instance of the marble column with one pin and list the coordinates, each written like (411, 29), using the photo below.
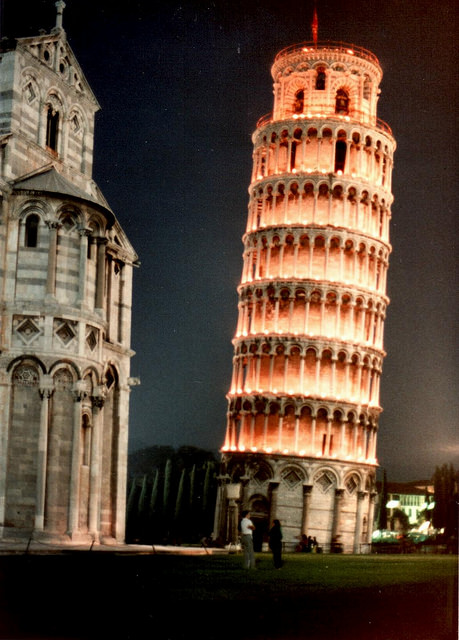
(339, 494)
(95, 466)
(46, 390)
(73, 518)
(84, 233)
(52, 259)
(358, 521)
(307, 492)
(273, 491)
(100, 280)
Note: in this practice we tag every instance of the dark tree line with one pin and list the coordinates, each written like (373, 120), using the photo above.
(171, 495)
(446, 512)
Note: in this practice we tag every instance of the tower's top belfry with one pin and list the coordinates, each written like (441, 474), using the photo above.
(328, 80)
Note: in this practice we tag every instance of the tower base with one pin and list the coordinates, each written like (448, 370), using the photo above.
(327, 499)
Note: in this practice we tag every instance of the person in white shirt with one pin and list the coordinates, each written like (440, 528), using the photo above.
(247, 527)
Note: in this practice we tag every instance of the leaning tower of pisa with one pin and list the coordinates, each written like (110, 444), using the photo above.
(303, 406)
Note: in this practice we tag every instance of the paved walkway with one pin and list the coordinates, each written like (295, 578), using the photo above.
(12, 547)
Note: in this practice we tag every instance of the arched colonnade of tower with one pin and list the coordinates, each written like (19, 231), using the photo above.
(311, 310)
(351, 151)
(322, 500)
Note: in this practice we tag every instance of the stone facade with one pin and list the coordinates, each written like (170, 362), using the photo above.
(303, 406)
(65, 295)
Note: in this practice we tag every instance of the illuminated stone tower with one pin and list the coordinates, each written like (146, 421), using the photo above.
(303, 406)
(65, 306)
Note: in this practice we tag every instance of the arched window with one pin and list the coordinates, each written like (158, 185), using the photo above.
(299, 102)
(340, 155)
(31, 231)
(320, 79)
(52, 124)
(342, 102)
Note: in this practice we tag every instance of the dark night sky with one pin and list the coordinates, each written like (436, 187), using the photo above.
(182, 86)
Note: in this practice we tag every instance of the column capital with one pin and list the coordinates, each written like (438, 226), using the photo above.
(98, 402)
(53, 224)
(244, 480)
(84, 231)
(223, 479)
(79, 390)
(46, 387)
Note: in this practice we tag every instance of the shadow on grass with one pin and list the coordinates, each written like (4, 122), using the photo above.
(99, 595)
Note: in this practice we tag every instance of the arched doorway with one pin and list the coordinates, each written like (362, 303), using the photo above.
(259, 514)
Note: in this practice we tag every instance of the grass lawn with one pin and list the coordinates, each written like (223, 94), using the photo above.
(173, 597)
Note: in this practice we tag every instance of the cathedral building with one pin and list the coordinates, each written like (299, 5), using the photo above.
(303, 406)
(65, 306)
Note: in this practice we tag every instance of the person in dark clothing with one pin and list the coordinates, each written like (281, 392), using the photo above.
(275, 543)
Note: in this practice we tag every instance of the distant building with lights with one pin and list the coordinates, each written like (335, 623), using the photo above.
(303, 406)
(415, 499)
(65, 306)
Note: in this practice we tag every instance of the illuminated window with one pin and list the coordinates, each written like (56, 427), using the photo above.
(342, 102)
(320, 79)
(299, 102)
(31, 231)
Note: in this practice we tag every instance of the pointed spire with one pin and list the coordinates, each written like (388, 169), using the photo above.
(60, 6)
(315, 25)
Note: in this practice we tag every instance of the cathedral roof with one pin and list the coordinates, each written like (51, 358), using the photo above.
(56, 44)
(48, 180)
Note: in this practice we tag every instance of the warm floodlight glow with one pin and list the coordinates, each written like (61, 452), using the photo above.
(312, 360)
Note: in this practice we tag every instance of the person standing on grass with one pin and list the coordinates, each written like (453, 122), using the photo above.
(247, 529)
(275, 543)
